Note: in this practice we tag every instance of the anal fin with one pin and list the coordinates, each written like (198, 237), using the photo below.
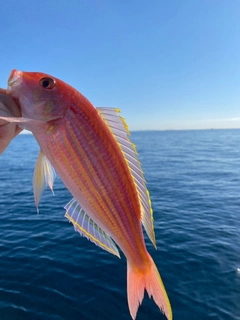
(88, 228)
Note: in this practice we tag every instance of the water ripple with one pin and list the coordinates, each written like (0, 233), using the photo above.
(48, 271)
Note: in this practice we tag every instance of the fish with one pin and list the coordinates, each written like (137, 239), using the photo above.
(90, 149)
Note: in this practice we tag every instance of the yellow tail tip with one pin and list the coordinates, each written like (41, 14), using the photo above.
(149, 279)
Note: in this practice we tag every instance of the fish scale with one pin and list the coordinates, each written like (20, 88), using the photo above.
(86, 169)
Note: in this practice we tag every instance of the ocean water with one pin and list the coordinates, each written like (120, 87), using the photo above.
(48, 271)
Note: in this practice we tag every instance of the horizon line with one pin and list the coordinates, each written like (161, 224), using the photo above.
(143, 130)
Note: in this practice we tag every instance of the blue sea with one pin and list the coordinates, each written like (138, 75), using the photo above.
(48, 271)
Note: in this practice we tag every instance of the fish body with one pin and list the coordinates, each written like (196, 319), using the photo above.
(90, 150)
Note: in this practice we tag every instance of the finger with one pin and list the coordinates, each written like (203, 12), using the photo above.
(17, 131)
(3, 91)
(11, 105)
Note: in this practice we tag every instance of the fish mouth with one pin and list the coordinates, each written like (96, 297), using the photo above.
(14, 79)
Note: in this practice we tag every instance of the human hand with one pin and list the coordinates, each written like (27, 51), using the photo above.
(8, 108)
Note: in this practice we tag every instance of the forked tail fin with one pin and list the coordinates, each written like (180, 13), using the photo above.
(149, 279)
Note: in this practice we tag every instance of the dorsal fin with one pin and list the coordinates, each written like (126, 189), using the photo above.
(121, 133)
(44, 175)
(88, 228)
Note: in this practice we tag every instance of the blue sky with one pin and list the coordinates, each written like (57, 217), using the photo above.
(166, 64)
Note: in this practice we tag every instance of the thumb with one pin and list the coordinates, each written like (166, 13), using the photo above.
(3, 91)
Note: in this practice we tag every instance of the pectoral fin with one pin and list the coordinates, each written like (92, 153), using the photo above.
(44, 174)
(88, 228)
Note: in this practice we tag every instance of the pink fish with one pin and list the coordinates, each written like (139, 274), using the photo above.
(90, 150)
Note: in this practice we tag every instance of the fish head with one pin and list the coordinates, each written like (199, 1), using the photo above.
(40, 96)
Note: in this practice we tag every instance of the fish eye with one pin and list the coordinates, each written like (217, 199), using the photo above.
(47, 83)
